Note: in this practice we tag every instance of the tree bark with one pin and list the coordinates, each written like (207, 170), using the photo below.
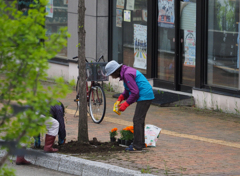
(83, 119)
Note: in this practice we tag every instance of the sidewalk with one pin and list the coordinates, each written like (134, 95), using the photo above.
(192, 142)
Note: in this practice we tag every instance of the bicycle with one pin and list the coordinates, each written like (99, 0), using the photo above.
(96, 99)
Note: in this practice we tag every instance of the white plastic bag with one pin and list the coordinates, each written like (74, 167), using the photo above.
(151, 134)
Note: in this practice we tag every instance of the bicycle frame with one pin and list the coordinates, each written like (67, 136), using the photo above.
(88, 90)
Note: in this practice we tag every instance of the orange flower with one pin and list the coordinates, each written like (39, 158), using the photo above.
(114, 129)
(130, 127)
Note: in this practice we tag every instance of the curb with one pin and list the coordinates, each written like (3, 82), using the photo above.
(77, 166)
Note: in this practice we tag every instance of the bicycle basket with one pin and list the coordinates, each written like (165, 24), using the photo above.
(96, 71)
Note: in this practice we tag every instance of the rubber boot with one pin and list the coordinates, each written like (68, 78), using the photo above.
(21, 161)
(49, 140)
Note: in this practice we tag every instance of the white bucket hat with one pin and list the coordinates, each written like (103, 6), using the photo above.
(111, 67)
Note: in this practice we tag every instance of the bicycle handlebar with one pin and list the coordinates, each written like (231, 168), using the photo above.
(101, 57)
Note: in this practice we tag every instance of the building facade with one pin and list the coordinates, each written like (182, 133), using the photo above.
(182, 46)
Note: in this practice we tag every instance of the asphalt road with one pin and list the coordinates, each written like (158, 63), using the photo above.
(32, 170)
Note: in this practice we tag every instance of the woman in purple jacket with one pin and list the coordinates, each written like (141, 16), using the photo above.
(137, 89)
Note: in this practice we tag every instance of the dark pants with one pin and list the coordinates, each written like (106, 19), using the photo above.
(139, 123)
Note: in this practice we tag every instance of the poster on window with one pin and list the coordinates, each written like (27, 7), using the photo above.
(166, 13)
(119, 18)
(127, 15)
(130, 4)
(120, 4)
(189, 47)
(140, 46)
(49, 9)
(144, 15)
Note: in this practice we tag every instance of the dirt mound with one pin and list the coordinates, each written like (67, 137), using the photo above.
(94, 146)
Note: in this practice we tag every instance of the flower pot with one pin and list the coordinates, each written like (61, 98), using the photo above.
(128, 142)
(123, 141)
(112, 139)
(119, 141)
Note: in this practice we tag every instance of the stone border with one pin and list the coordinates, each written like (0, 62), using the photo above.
(78, 166)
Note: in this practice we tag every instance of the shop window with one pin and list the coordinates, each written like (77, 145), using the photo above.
(130, 33)
(55, 19)
(223, 43)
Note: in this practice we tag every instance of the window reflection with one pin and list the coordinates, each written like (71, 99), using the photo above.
(223, 43)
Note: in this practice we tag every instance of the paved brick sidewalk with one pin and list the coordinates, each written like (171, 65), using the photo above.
(192, 142)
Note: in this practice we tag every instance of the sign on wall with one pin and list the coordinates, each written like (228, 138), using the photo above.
(166, 14)
(140, 46)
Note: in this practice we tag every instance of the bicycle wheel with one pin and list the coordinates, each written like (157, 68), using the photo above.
(97, 104)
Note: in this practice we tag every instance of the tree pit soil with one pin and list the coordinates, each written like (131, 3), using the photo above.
(94, 146)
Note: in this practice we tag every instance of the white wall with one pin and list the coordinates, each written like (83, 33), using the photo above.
(73, 71)
(116, 84)
(57, 70)
(207, 100)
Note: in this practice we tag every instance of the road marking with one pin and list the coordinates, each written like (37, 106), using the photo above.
(167, 132)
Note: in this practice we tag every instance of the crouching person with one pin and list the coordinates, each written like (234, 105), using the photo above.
(55, 126)
(52, 131)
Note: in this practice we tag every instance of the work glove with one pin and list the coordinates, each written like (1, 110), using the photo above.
(123, 106)
(61, 141)
(120, 98)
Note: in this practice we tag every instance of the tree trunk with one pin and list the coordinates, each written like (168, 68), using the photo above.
(83, 119)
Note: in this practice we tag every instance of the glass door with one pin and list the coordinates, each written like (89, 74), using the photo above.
(166, 40)
(187, 44)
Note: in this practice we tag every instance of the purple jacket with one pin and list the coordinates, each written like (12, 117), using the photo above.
(137, 87)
